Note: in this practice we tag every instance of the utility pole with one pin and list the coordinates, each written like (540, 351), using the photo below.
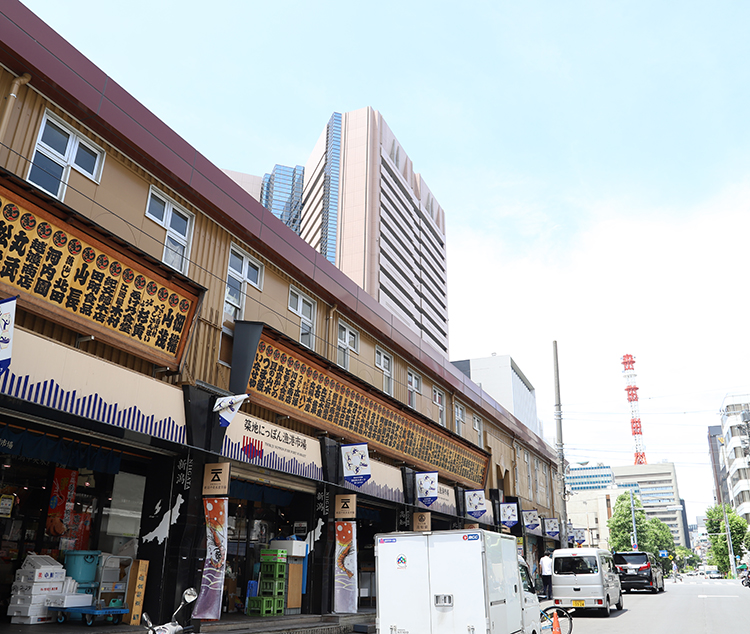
(634, 541)
(560, 453)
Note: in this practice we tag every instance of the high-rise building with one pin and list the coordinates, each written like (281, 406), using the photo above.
(659, 494)
(733, 458)
(502, 379)
(590, 478)
(281, 194)
(369, 213)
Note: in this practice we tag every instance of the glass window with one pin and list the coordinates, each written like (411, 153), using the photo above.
(577, 565)
(304, 307)
(242, 270)
(460, 418)
(348, 343)
(413, 388)
(438, 398)
(58, 149)
(178, 224)
(384, 361)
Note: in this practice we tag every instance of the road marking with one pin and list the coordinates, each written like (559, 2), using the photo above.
(718, 596)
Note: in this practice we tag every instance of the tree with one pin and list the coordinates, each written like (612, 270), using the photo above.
(717, 535)
(686, 558)
(653, 534)
(621, 523)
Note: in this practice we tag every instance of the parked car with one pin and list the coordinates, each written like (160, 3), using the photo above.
(639, 570)
(714, 574)
(585, 578)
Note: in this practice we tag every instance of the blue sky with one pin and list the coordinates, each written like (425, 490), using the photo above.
(592, 159)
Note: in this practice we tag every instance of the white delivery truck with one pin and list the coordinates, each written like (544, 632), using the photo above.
(444, 582)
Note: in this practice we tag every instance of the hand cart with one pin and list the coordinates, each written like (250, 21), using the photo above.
(107, 585)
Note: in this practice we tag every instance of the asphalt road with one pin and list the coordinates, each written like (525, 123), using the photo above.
(689, 607)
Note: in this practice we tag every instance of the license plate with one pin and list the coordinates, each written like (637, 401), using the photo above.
(630, 572)
(579, 604)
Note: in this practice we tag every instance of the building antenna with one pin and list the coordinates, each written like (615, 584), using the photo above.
(628, 363)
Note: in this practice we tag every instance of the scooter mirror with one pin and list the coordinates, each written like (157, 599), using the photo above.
(189, 595)
(146, 621)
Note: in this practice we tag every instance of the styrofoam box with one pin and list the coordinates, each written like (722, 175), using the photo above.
(70, 586)
(68, 600)
(40, 574)
(33, 620)
(27, 610)
(33, 562)
(28, 599)
(40, 587)
(293, 547)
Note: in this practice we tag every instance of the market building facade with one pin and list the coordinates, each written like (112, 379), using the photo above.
(149, 284)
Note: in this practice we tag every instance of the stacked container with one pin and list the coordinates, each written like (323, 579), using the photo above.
(38, 578)
(272, 584)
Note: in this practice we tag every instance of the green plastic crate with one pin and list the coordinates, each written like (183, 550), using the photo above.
(263, 606)
(270, 555)
(269, 570)
(278, 604)
(272, 587)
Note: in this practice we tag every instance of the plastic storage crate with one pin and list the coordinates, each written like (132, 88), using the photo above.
(278, 605)
(263, 606)
(272, 570)
(272, 555)
(272, 587)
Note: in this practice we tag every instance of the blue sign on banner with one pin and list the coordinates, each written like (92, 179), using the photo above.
(427, 487)
(475, 503)
(509, 514)
(356, 461)
(664, 554)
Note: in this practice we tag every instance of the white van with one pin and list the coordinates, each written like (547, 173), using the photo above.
(585, 578)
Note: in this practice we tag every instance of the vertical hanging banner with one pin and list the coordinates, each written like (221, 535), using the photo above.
(552, 526)
(61, 503)
(476, 505)
(509, 514)
(531, 521)
(7, 322)
(427, 487)
(228, 406)
(579, 535)
(356, 461)
(345, 569)
(208, 604)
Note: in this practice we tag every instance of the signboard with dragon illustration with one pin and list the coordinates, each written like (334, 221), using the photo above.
(289, 382)
(57, 268)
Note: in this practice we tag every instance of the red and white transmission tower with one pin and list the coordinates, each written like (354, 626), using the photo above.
(628, 363)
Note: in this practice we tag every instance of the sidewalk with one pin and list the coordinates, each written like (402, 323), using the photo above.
(229, 624)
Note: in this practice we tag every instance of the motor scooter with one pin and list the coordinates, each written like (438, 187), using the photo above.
(745, 580)
(173, 627)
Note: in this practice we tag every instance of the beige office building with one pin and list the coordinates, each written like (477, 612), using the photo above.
(368, 212)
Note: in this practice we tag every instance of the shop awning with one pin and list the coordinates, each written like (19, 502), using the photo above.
(69, 453)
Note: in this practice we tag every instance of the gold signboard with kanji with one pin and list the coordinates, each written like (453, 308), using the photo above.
(289, 382)
(58, 268)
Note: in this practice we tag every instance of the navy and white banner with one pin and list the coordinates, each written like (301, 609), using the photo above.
(427, 491)
(7, 323)
(531, 519)
(579, 535)
(509, 514)
(356, 461)
(476, 505)
(228, 406)
(552, 526)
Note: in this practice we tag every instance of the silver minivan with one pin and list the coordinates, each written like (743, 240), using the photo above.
(585, 578)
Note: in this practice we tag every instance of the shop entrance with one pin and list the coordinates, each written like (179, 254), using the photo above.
(258, 515)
